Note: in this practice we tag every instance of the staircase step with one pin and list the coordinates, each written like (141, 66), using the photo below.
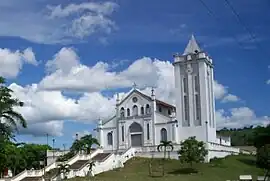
(100, 156)
(32, 179)
(78, 164)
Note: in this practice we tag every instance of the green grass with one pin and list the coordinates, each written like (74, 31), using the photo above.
(137, 169)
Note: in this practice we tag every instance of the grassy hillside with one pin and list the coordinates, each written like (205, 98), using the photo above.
(138, 170)
(243, 136)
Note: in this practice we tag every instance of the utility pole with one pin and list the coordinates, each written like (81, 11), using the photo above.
(53, 147)
(64, 145)
(47, 139)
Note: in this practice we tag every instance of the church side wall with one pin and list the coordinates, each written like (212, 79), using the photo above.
(220, 151)
(106, 146)
(186, 132)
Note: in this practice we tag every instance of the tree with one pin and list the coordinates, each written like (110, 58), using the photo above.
(84, 143)
(263, 158)
(10, 117)
(88, 141)
(9, 120)
(63, 169)
(91, 164)
(261, 136)
(167, 147)
(192, 151)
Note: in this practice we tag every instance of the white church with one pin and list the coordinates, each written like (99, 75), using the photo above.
(142, 121)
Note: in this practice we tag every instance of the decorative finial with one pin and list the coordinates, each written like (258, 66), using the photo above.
(117, 97)
(134, 85)
(152, 91)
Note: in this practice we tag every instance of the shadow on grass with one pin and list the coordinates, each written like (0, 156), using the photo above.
(185, 171)
(247, 161)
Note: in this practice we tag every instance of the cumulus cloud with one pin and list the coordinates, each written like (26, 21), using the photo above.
(11, 62)
(239, 117)
(48, 109)
(230, 98)
(80, 134)
(221, 93)
(53, 128)
(52, 24)
(45, 102)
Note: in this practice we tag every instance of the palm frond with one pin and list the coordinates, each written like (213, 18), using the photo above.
(16, 116)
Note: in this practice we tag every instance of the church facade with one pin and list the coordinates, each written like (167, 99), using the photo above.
(142, 120)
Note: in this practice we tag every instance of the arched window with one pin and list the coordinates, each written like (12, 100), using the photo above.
(163, 134)
(128, 112)
(110, 138)
(147, 109)
(142, 110)
(122, 112)
(135, 110)
(169, 112)
(135, 128)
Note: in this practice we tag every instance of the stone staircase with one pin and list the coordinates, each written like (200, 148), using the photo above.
(32, 179)
(101, 156)
(51, 174)
(51, 171)
(78, 164)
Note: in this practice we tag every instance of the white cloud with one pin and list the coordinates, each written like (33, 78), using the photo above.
(41, 23)
(230, 98)
(239, 117)
(11, 62)
(221, 93)
(48, 109)
(81, 134)
(70, 74)
(268, 81)
(105, 8)
(45, 103)
(53, 128)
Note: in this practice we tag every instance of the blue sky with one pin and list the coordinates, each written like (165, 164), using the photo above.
(67, 59)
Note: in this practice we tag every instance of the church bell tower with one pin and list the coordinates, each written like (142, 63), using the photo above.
(195, 102)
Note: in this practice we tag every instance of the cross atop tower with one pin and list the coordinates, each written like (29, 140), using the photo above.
(192, 46)
(134, 85)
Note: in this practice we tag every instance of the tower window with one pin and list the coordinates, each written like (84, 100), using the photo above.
(186, 108)
(196, 82)
(148, 131)
(198, 108)
(185, 85)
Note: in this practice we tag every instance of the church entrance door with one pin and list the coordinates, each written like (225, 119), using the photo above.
(136, 140)
(136, 135)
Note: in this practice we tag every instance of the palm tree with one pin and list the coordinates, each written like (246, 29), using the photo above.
(165, 145)
(91, 164)
(88, 141)
(63, 169)
(8, 116)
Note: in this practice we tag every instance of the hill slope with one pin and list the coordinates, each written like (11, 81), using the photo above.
(137, 169)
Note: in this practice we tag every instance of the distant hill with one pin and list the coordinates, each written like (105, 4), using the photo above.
(243, 136)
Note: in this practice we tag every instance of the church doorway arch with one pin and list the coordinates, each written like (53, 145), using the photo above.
(136, 134)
